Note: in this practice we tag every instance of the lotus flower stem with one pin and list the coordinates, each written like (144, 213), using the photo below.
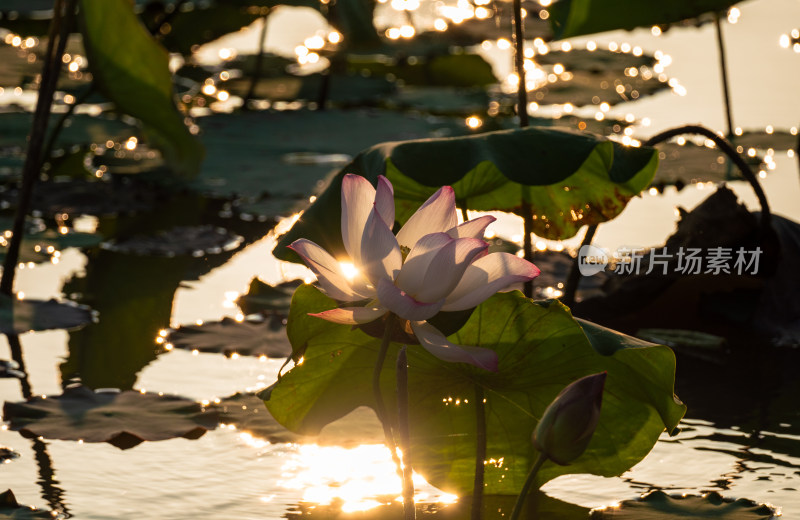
(574, 277)
(380, 408)
(480, 453)
(404, 435)
(527, 487)
(60, 27)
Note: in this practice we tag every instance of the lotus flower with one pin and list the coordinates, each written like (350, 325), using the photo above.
(432, 265)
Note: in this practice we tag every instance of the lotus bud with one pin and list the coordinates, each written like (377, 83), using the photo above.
(569, 421)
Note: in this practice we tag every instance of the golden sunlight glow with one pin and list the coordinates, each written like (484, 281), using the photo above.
(326, 475)
(474, 122)
(350, 271)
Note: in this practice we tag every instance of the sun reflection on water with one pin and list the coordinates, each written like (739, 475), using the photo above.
(354, 479)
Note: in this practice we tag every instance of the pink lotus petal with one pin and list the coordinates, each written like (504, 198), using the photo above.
(404, 305)
(384, 200)
(487, 275)
(380, 255)
(472, 228)
(358, 199)
(447, 268)
(434, 342)
(412, 274)
(438, 214)
(352, 315)
(329, 272)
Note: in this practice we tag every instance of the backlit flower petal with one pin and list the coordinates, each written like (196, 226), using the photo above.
(472, 228)
(352, 315)
(329, 273)
(438, 214)
(358, 199)
(384, 200)
(486, 276)
(404, 305)
(447, 268)
(380, 255)
(434, 342)
(412, 274)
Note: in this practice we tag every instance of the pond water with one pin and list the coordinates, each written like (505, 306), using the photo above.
(741, 436)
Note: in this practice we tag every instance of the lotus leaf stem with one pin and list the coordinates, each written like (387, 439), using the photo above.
(480, 453)
(574, 277)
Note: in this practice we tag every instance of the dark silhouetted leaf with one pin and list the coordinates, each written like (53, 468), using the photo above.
(124, 419)
(7, 455)
(265, 337)
(18, 316)
(658, 505)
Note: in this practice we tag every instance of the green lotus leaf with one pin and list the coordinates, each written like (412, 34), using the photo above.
(570, 18)
(570, 179)
(131, 69)
(541, 349)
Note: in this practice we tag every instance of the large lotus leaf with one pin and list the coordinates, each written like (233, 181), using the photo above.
(594, 77)
(658, 505)
(569, 179)
(123, 419)
(577, 17)
(10, 509)
(264, 337)
(131, 68)
(541, 349)
(18, 316)
(243, 161)
(265, 298)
